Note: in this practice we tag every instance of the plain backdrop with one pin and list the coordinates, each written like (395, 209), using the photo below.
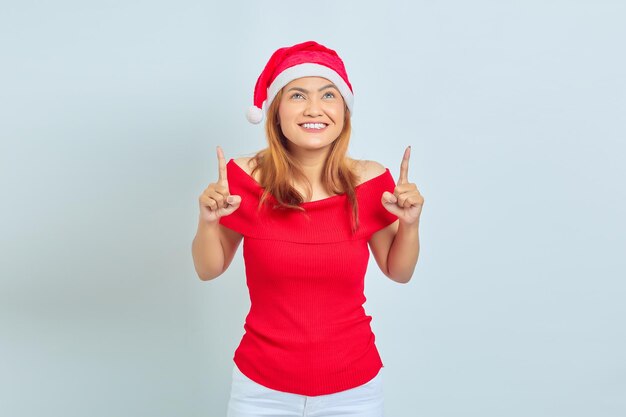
(110, 112)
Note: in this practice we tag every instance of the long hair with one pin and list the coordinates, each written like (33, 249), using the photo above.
(277, 167)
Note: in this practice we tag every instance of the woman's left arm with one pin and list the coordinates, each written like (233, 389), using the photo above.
(396, 247)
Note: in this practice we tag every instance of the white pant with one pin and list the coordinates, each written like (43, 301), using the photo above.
(251, 399)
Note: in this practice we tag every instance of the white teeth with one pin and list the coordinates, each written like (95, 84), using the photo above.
(314, 125)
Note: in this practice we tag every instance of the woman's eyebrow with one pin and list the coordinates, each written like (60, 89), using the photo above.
(303, 90)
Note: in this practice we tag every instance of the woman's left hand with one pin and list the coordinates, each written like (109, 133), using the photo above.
(406, 201)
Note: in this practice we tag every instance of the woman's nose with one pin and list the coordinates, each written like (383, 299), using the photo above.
(313, 108)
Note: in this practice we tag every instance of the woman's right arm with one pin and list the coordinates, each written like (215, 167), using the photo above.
(213, 249)
(214, 245)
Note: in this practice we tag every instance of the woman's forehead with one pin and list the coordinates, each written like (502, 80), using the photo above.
(310, 81)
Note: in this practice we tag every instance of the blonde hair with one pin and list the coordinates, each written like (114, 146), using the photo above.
(277, 166)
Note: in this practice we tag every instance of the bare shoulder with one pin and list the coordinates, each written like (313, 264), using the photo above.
(246, 163)
(366, 170)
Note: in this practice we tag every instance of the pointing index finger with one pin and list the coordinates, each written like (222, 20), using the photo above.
(404, 167)
(222, 166)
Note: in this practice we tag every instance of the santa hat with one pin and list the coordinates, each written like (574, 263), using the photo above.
(307, 59)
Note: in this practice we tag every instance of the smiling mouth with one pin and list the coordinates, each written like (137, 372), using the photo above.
(313, 127)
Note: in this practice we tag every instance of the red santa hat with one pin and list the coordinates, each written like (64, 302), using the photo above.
(307, 59)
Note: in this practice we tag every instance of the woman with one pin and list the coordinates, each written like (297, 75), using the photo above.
(306, 214)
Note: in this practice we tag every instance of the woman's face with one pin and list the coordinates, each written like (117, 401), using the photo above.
(311, 113)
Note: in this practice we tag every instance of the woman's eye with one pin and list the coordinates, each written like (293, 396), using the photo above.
(332, 95)
(296, 94)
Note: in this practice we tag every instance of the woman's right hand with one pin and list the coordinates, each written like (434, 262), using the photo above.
(216, 201)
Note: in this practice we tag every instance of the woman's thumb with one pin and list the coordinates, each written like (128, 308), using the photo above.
(389, 198)
(233, 201)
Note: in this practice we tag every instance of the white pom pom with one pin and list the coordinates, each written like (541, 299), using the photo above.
(254, 115)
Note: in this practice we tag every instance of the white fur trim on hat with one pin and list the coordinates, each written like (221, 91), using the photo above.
(308, 70)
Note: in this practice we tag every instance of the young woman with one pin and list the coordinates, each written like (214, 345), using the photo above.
(308, 216)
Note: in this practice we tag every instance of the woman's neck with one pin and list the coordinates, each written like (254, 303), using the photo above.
(311, 163)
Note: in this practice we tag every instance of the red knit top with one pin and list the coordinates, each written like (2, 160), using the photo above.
(307, 332)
